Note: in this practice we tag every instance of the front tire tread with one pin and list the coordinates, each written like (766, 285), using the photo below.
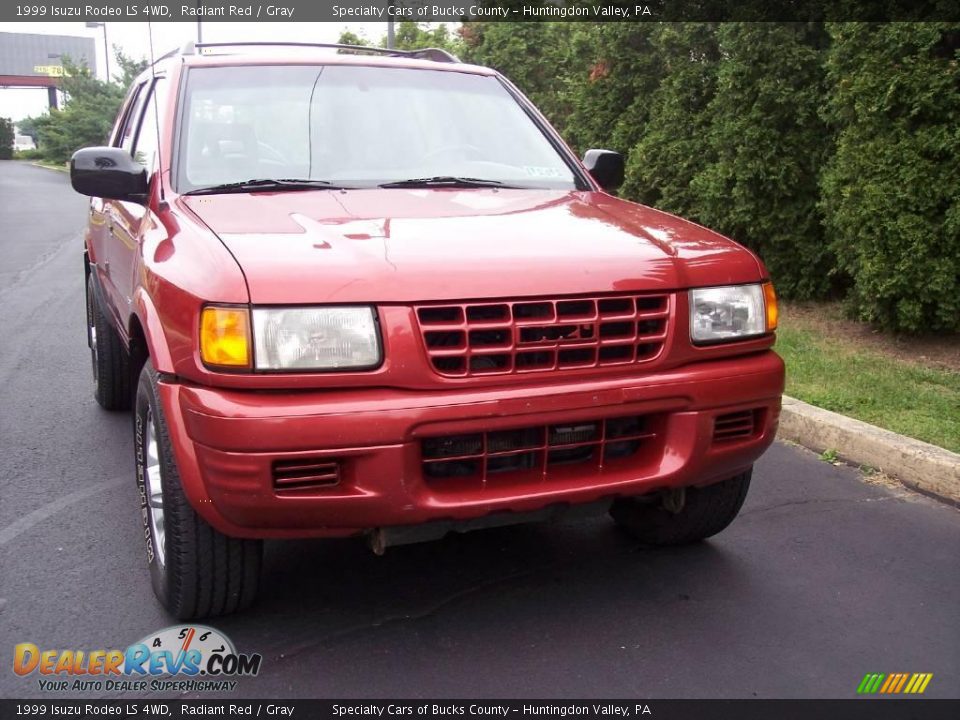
(207, 573)
(706, 511)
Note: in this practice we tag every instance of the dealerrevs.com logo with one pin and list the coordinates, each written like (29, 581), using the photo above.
(180, 658)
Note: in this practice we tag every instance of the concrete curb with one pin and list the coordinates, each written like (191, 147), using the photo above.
(55, 168)
(918, 465)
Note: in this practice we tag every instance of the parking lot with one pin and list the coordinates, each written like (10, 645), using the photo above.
(823, 578)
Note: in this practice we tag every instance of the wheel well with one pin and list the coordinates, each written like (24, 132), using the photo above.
(139, 351)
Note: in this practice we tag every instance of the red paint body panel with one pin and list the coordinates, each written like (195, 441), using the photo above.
(422, 245)
(227, 441)
(396, 249)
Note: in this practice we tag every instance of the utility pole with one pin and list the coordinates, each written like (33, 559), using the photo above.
(106, 45)
(52, 89)
(390, 37)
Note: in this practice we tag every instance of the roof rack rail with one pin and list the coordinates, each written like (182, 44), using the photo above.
(434, 54)
(186, 49)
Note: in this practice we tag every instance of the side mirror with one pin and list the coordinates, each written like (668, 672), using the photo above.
(108, 172)
(606, 167)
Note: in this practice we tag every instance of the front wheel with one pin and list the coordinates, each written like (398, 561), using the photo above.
(683, 516)
(196, 570)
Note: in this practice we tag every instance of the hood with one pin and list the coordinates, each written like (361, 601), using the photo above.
(410, 245)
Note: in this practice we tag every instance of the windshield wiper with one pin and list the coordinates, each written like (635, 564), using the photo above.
(266, 184)
(445, 181)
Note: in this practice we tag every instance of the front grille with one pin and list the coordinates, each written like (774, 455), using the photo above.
(534, 452)
(736, 426)
(521, 336)
(298, 476)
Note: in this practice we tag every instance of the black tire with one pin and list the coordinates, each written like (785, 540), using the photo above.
(198, 571)
(705, 512)
(111, 362)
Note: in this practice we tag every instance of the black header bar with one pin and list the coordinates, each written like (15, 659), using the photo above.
(858, 709)
(491, 10)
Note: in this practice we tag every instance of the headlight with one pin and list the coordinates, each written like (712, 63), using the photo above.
(732, 313)
(315, 338)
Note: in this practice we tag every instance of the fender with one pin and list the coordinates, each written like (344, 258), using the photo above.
(157, 346)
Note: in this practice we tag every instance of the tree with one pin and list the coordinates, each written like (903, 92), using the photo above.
(767, 144)
(673, 146)
(534, 56)
(129, 68)
(28, 126)
(348, 37)
(614, 71)
(89, 111)
(6, 138)
(891, 193)
(410, 35)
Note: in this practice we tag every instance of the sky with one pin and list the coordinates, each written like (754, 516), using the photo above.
(133, 39)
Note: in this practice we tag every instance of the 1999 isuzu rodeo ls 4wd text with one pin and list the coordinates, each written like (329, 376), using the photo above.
(373, 293)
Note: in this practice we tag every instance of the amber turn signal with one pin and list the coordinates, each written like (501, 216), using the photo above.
(770, 301)
(225, 336)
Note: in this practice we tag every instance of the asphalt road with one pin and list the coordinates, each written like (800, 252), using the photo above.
(822, 578)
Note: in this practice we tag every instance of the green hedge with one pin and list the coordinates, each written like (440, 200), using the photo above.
(6, 139)
(833, 150)
(765, 149)
(891, 191)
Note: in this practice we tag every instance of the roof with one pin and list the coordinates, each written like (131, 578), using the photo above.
(239, 54)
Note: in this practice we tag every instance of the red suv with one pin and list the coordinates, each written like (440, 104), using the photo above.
(372, 293)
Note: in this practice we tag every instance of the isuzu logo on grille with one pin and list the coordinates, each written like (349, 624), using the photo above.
(559, 334)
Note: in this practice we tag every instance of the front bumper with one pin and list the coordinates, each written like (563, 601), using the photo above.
(227, 444)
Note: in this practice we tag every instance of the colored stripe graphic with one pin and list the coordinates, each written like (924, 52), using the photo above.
(870, 683)
(898, 685)
(894, 683)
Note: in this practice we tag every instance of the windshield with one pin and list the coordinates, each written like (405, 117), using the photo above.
(359, 127)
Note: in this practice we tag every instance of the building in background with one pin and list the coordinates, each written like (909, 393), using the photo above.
(36, 61)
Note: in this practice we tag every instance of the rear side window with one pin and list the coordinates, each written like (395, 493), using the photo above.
(118, 125)
(132, 119)
(146, 145)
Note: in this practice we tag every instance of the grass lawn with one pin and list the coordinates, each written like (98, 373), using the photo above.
(836, 369)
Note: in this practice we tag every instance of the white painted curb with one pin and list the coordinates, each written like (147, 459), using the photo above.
(918, 465)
